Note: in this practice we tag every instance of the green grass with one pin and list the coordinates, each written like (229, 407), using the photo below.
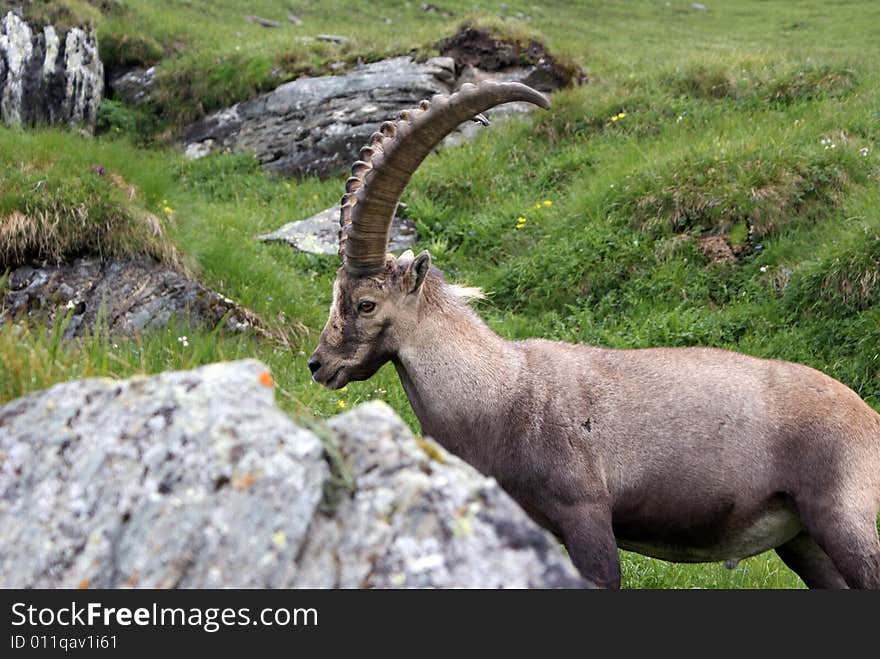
(61, 198)
(764, 571)
(727, 116)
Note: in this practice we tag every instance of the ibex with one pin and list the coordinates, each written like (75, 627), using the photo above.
(684, 454)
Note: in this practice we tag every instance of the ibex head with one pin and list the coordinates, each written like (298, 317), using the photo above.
(376, 297)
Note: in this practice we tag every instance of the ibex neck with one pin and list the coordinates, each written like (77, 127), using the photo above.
(452, 365)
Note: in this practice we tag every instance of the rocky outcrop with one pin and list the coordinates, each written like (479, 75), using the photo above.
(315, 125)
(196, 479)
(48, 77)
(319, 234)
(134, 295)
(135, 86)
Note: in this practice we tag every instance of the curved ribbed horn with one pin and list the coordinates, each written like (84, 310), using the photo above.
(393, 155)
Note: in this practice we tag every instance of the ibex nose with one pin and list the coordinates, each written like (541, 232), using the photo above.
(314, 365)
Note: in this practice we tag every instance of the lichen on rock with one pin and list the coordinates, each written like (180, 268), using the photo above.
(130, 295)
(47, 77)
(196, 479)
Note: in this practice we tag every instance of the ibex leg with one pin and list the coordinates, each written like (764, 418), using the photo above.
(848, 534)
(809, 561)
(589, 539)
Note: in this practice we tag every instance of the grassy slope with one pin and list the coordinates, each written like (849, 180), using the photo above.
(725, 111)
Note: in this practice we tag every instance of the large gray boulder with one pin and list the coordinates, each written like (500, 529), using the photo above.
(196, 479)
(316, 125)
(319, 234)
(48, 77)
(129, 295)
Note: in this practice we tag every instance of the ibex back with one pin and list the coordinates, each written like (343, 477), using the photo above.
(685, 454)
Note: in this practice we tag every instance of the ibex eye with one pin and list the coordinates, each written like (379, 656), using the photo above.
(366, 306)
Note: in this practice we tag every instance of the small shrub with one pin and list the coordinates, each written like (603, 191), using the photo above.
(63, 13)
(708, 195)
(701, 81)
(119, 48)
(775, 84)
(187, 89)
(848, 281)
(115, 117)
(809, 83)
(53, 217)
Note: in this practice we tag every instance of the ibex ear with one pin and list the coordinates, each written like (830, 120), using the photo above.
(417, 271)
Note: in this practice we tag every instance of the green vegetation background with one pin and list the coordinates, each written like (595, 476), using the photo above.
(755, 121)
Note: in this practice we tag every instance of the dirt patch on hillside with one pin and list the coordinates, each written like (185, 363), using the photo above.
(717, 250)
(479, 49)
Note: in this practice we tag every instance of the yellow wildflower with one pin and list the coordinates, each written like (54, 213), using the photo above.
(538, 206)
(341, 404)
(168, 210)
(621, 115)
(614, 118)
(548, 203)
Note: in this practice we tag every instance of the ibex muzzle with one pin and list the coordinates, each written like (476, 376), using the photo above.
(685, 454)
